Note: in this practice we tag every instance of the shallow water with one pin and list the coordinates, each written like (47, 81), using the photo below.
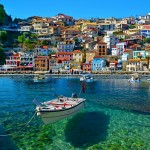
(116, 117)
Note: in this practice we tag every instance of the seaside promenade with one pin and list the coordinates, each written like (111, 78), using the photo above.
(106, 74)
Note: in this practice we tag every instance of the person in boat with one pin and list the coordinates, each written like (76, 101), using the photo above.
(74, 95)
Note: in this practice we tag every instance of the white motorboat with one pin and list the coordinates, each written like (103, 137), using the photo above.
(135, 78)
(60, 108)
(40, 78)
(148, 80)
(87, 78)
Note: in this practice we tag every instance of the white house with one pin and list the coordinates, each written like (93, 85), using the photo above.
(110, 40)
(26, 28)
(43, 51)
(27, 59)
(114, 51)
(121, 48)
(65, 46)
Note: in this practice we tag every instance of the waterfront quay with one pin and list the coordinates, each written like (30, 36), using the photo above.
(98, 75)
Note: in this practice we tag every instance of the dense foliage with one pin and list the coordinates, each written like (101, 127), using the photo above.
(2, 56)
(27, 40)
(2, 14)
(3, 36)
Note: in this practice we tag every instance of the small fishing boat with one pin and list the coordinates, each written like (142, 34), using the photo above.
(148, 80)
(87, 78)
(135, 78)
(60, 108)
(40, 77)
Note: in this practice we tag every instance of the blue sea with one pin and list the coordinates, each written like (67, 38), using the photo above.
(116, 117)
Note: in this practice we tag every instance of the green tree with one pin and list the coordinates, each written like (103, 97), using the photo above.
(2, 56)
(4, 18)
(21, 38)
(27, 40)
(132, 26)
(17, 20)
(3, 36)
(45, 42)
(76, 41)
(2, 14)
(146, 40)
(117, 32)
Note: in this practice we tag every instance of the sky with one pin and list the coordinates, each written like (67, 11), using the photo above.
(78, 9)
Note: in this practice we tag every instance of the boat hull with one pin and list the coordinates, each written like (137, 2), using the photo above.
(134, 81)
(40, 80)
(55, 115)
(87, 80)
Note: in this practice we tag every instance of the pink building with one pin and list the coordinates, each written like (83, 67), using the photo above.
(14, 60)
(65, 56)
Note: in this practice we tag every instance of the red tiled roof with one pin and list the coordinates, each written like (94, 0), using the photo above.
(16, 55)
(65, 59)
(146, 26)
(98, 57)
(65, 53)
(135, 45)
(45, 47)
(134, 60)
(127, 50)
(101, 42)
(114, 46)
(114, 61)
(90, 51)
(77, 51)
(62, 59)
(147, 48)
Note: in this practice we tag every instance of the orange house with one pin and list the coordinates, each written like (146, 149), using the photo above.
(87, 66)
(41, 63)
(101, 48)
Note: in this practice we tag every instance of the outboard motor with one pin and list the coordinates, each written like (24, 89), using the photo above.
(74, 95)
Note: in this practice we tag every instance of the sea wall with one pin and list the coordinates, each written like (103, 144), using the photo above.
(96, 76)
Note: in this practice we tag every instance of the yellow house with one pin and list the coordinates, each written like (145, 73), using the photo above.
(78, 56)
(90, 56)
(79, 23)
(133, 65)
(60, 23)
(77, 59)
(89, 25)
(131, 31)
(69, 32)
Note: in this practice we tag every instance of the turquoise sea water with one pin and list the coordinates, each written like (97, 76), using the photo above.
(117, 116)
